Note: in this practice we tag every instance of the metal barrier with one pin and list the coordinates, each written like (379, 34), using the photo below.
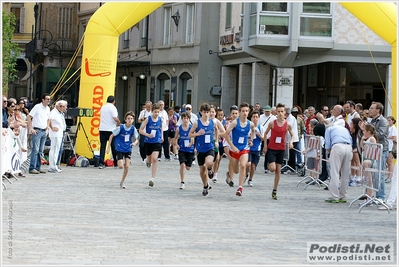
(372, 163)
(313, 160)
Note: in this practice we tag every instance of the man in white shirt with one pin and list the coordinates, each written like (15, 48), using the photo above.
(37, 124)
(349, 108)
(165, 121)
(193, 117)
(57, 126)
(335, 119)
(108, 122)
(264, 121)
(294, 124)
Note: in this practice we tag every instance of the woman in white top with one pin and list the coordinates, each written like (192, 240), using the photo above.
(392, 136)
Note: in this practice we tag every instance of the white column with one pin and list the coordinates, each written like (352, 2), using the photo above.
(285, 86)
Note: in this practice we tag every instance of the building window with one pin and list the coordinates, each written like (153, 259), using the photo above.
(190, 23)
(274, 18)
(274, 7)
(166, 25)
(143, 30)
(228, 16)
(316, 19)
(17, 13)
(186, 88)
(126, 38)
(65, 21)
(164, 89)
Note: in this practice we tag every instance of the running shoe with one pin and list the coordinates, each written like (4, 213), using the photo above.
(205, 191)
(148, 164)
(250, 183)
(122, 185)
(331, 200)
(239, 191)
(182, 186)
(274, 195)
(228, 180)
(210, 173)
(151, 182)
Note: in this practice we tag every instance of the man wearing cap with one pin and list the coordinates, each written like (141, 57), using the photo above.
(193, 117)
(264, 121)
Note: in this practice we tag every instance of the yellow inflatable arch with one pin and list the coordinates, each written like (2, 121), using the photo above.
(112, 19)
(99, 58)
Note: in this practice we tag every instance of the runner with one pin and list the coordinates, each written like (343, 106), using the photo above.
(239, 144)
(276, 146)
(204, 131)
(123, 144)
(254, 153)
(185, 146)
(152, 130)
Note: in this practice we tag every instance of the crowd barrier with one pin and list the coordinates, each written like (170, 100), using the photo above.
(11, 154)
(372, 163)
(313, 160)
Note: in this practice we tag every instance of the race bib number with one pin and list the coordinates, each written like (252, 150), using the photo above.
(186, 143)
(207, 139)
(278, 140)
(126, 138)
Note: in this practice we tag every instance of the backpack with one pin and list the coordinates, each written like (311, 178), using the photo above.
(82, 161)
(71, 161)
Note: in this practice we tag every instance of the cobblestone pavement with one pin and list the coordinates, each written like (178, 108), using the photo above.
(82, 216)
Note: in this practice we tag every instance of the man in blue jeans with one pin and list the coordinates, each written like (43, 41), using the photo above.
(382, 127)
(38, 125)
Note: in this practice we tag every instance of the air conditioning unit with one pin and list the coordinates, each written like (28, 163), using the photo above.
(262, 29)
(216, 91)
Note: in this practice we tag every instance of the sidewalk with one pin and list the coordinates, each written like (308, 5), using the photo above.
(81, 216)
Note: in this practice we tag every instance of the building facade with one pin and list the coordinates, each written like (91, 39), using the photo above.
(311, 53)
(301, 54)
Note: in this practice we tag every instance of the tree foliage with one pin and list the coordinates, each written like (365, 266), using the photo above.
(11, 50)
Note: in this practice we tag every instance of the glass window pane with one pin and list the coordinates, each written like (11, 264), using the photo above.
(318, 8)
(253, 7)
(275, 7)
(316, 27)
(274, 24)
(252, 22)
(228, 15)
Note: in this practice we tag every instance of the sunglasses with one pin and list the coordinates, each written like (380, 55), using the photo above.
(4, 101)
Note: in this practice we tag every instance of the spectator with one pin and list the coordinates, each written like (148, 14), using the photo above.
(350, 111)
(339, 143)
(108, 122)
(310, 115)
(38, 121)
(392, 137)
(335, 119)
(382, 128)
(355, 176)
(4, 113)
(172, 124)
(301, 127)
(264, 121)
(292, 153)
(359, 108)
(56, 126)
(191, 115)
(144, 114)
(165, 122)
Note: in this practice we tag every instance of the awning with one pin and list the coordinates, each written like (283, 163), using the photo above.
(28, 73)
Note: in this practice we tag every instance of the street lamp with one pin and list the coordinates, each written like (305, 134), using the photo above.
(45, 37)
